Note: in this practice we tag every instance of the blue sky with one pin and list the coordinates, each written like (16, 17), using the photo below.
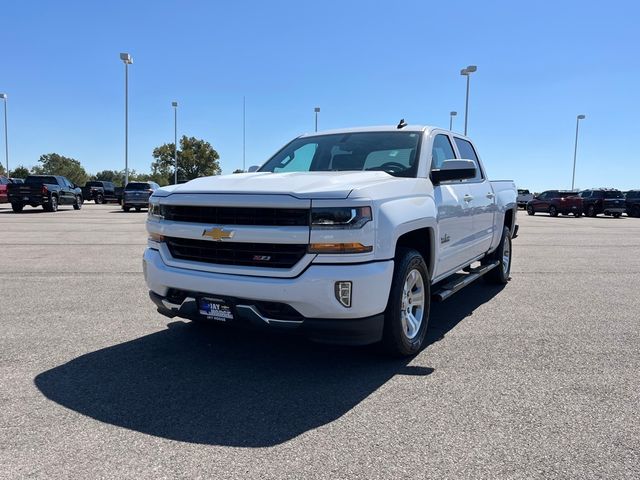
(363, 62)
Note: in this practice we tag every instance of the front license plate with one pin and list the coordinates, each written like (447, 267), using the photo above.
(215, 309)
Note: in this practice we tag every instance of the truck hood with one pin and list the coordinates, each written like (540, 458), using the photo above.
(319, 185)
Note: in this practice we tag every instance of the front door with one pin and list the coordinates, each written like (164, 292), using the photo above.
(455, 222)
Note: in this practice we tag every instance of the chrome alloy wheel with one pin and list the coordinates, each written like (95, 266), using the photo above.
(506, 256)
(412, 306)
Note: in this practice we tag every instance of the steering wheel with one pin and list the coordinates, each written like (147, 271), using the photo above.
(392, 166)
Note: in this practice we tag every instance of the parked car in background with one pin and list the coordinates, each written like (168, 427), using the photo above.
(100, 191)
(4, 181)
(136, 195)
(632, 203)
(554, 202)
(46, 190)
(524, 197)
(602, 200)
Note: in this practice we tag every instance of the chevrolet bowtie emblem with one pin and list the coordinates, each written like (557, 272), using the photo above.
(217, 234)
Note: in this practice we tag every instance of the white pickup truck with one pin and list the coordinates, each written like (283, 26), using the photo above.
(345, 236)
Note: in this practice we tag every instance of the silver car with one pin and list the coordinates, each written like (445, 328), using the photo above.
(136, 195)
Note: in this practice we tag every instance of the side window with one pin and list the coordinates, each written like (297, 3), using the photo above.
(300, 161)
(441, 151)
(467, 152)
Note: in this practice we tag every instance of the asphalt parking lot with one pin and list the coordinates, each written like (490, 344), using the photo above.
(538, 379)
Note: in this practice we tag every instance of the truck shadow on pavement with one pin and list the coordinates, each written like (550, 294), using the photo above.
(231, 387)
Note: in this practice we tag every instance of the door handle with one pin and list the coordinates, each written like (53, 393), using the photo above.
(491, 195)
(468, 198)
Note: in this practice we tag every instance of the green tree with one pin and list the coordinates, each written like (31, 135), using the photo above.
(54, 164)
(2, 170)
(196, 158)
(20, 172)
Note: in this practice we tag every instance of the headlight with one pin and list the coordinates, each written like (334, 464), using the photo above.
(155, 211)
(340, 217)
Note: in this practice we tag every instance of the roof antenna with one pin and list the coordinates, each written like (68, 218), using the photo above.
(402, 124)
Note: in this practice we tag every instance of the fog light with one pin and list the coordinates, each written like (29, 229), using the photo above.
(343, 293)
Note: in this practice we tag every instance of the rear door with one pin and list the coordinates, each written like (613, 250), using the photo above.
(483, 200)
(455, 222)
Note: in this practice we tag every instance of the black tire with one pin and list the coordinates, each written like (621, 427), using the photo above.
(500, 274)
(591, 211)
(78, 204)
(553, 211)
(617, 215)
(577, 214)
(138, 209)
(635, 211)
(126, 208)
(52, 206)
(17, 207)
(396, 339)
(99, 199)
(530, 210)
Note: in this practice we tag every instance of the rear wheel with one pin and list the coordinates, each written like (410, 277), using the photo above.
(500, 274)
(617, 215)
(407, 314)
(530, 210)
(635, 211)
(126, 208)
(17, 207)
(553, 211)
(52, 206)
(138, 209)
(577, 214)
(591, 211)
(99, 199)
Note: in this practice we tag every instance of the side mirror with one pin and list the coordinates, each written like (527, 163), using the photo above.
(453, 170)
(253, 168)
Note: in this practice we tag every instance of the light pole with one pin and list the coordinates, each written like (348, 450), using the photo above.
(467, 73)
(451, 115)
(316, 110)
(575, 149)
(175, 139)
(126, 58)
(6, 135)
(244, 133)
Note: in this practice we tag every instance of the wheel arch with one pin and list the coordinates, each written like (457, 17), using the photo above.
(421, 240)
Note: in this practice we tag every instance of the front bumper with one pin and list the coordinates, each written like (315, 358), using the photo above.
(311, 294)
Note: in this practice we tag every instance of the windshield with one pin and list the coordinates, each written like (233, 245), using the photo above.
(523, 192)
(138, 186)
(391, 152)
(93, 184)
(614, 194)
(41, 180)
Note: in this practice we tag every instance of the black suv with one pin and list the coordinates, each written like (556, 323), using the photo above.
(601, 200)
(633, 203)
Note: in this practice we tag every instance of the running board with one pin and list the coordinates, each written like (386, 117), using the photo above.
(462, 280)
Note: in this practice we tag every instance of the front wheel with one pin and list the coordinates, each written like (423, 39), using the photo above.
(500, 274)
(530, 210)
(617, 215)
(126, 208)
(407, 313)
(553, 211)
(17, 207)
(591, 211)
(78, 203)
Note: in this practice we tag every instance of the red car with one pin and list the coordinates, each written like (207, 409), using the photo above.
(4, 181)
(554, 202)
